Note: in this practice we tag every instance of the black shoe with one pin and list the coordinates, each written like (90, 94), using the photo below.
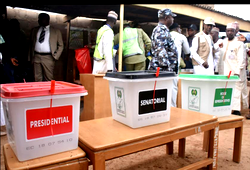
(247, 116)
(236, 113)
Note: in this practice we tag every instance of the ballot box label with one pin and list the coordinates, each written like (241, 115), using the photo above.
(223, 97)
(148, 102)
(120, 101)
(46, 122)
(194, 94)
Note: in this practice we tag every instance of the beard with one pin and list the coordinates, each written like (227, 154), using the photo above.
(230, 36)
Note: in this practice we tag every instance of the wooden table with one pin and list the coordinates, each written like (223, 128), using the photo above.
(104, 139)
(73, 159)
(228, 122)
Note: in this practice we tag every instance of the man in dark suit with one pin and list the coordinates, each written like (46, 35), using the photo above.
(46, 48)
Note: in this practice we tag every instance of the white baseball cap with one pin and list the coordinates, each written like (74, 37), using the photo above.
(209, 20)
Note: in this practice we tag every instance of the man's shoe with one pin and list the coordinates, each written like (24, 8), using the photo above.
(236, 113)
(247, 116)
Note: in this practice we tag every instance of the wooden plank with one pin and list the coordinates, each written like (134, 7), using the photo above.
(231, 125)
(230, 118)
(97, 103)
(102, 103)
(12, 162)
(198, 165)
(87, 80)
(76, 164)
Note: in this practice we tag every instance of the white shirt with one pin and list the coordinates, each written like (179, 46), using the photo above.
(199, 69)
(105, 48)
(181, 43)
(234, 58)
(43, 47)
(217, 54)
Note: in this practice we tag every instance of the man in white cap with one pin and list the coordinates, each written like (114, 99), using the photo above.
(202, 49)
(104, 46)
(217, 44)
(234, 60)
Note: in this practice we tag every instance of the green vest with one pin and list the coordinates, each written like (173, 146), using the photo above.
(130, 42)
(97, 55)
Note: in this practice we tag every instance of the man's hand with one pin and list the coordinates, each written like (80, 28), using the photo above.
(14, 61)
(187, 57)
(221, 45)
(205, 64)
(237, 75)
(241, 38)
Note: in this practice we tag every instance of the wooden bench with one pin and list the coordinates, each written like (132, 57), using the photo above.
(226, 122)
(229, 122)
(74, 159)
(104, 139)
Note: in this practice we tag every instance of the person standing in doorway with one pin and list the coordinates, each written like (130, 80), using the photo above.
(103, 53)
(46, 48)
(202, 49)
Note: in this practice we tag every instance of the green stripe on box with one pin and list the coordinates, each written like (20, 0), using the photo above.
(211, 77)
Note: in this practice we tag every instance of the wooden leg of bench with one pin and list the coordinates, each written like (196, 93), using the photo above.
(205, 141)
(170, 148)
(182, 146)
(237, 144)
(213, 147)
(98, 161)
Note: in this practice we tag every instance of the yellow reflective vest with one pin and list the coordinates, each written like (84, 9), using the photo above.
(130, 42)
(97, 55)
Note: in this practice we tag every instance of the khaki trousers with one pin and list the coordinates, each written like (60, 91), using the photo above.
(135, 67)
(44, 67)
